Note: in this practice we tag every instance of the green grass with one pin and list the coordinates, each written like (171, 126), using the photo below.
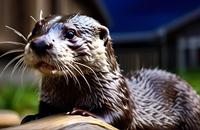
(192, 77)
(24, 99)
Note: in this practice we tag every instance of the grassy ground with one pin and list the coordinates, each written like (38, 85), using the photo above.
(24, 99)
(192, 77)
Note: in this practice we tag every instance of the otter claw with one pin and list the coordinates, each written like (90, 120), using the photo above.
(30, 118)
(81, 112)
(68, 113)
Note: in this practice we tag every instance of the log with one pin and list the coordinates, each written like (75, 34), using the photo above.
(9, 118)
(64, 122)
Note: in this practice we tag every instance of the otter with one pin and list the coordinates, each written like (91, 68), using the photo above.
(80, 75)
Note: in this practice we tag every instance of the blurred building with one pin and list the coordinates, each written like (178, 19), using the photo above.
(17, 13)
(174, 46)
(163, 34)
(145, 33)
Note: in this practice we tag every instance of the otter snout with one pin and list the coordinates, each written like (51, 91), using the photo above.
(40, 46)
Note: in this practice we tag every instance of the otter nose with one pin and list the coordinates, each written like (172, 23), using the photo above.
(40, 46)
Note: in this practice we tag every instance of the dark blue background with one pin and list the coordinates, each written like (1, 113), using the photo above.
(146, 15)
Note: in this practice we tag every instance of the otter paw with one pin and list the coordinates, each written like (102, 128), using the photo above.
(82, 112)
(30, 118)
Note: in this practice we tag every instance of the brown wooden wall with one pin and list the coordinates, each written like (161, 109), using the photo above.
(16, 13)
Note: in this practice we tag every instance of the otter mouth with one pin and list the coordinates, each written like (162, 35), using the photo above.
(47, 68)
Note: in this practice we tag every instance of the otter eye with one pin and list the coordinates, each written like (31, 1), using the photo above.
(69, 34)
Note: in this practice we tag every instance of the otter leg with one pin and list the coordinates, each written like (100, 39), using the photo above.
(45, 109)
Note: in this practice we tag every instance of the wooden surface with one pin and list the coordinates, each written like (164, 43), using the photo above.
(64, 122)
(9, 118)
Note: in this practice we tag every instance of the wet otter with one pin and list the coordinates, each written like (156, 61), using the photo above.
(80, 75)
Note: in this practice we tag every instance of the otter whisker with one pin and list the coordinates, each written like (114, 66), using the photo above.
(61, 69)
(9, 63)
(81, 73)
(12, 42)
(21, 66)
(67, 72)
(65, 75)
(64, 68)
(10, 52)
(86, 67)
(90, 70)
(102, 93)
(94, 75)
(79, 70)
(20, 61)
(23, 71)
(41, 14)
(33, 19)
(17, 32)
(73, 75)
(30, 33)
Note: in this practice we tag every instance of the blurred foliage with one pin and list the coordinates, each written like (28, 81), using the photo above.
(192, 77)
(22, 99)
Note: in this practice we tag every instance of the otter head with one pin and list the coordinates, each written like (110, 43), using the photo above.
(69, 45)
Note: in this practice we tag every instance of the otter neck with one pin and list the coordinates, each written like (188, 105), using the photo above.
(59, 89)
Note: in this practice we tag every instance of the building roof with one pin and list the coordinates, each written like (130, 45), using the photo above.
(180, 22)
(145, 18)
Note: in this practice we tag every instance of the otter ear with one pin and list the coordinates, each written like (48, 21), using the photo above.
(104, 34)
